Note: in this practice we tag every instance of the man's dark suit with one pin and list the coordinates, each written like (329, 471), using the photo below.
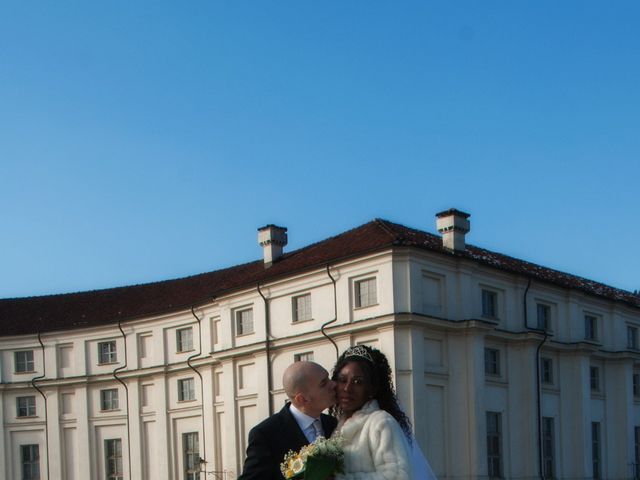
(270, 440)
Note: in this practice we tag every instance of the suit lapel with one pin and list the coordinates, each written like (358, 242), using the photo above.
(292, 429)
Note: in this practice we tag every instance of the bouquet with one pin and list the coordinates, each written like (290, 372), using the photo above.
(316, 461)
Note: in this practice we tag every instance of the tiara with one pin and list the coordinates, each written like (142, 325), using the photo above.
(358, 351)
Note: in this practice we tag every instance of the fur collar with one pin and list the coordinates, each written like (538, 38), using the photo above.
(349, 427)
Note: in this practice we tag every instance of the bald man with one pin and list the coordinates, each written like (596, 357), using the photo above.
(310, 391)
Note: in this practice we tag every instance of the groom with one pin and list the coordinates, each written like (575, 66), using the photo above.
(310, 391)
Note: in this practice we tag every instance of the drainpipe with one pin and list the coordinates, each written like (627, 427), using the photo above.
(203, 460)
(335, 314)
(126, 391)
(44, 397)
(538, 385)
(267, 348)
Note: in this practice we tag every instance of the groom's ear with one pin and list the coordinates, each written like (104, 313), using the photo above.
(300, 398)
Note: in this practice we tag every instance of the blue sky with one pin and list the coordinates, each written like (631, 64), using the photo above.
(142, 141)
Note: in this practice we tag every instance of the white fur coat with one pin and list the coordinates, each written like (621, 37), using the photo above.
(375, 447)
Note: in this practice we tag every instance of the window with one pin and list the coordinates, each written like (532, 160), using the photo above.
(184, 339)
(65, 356)
(494, 445)
(113, 458)
(186, 390)
(548, 447)
(492, 361)
(107, 352)
(30, 462)
(26, 406)
(303, 357)
(109, 399)
(24, 361)
(590, 327)
(543, 316)
(301, 308)
(244, 321)
(635, 378)
(146, 395)
(215, 330)
(632, 338)
(191, 456)
(145, 345)
(365, 292)
(594, 378)
(596, 463)
(489, 304)
(546, 370)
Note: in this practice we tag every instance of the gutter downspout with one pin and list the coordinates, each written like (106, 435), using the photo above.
(267, 348)
(203, 460)
(335, 314)
(538, 385)
(126, 392)
(44, 397)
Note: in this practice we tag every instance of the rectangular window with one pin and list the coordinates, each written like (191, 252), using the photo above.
(109, 399)
(543, 316)
(191, 451)
(590, 327)
(489, 304)
(24, 361)
(492, 361)
(107, 352)
(632, 338)
(548, 447)
(145, 345)
(594, 378)
(301, 308)
(546, 370)
(146, 395)
(186, 390)
(366, 292)
(244, 321)
(596, 465)
(215, 329)
(113, 459)
(635, 378)
(494, 444)
(184, 339)
(303, 357)
(26, 406)
(30, 462)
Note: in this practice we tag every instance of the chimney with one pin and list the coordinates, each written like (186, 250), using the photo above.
(272, 239)
(453, 225)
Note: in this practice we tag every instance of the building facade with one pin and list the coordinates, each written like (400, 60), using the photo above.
(507, 369)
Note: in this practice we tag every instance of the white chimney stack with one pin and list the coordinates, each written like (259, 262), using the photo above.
(453, 225)
(272, 239)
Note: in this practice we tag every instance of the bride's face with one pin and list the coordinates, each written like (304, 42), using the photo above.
(354, 388)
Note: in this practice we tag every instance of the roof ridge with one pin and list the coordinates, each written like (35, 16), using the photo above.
(386, 226)
(104, 306)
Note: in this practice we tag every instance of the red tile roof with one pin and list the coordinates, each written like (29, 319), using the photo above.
(102, 307)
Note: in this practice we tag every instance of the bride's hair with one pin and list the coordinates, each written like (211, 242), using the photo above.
(375, 366)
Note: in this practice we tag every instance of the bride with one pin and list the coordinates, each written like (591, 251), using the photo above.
(378, 443)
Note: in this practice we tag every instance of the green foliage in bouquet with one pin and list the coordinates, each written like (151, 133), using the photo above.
(316, 461)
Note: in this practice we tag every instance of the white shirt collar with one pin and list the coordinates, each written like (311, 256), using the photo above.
(303, 420)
